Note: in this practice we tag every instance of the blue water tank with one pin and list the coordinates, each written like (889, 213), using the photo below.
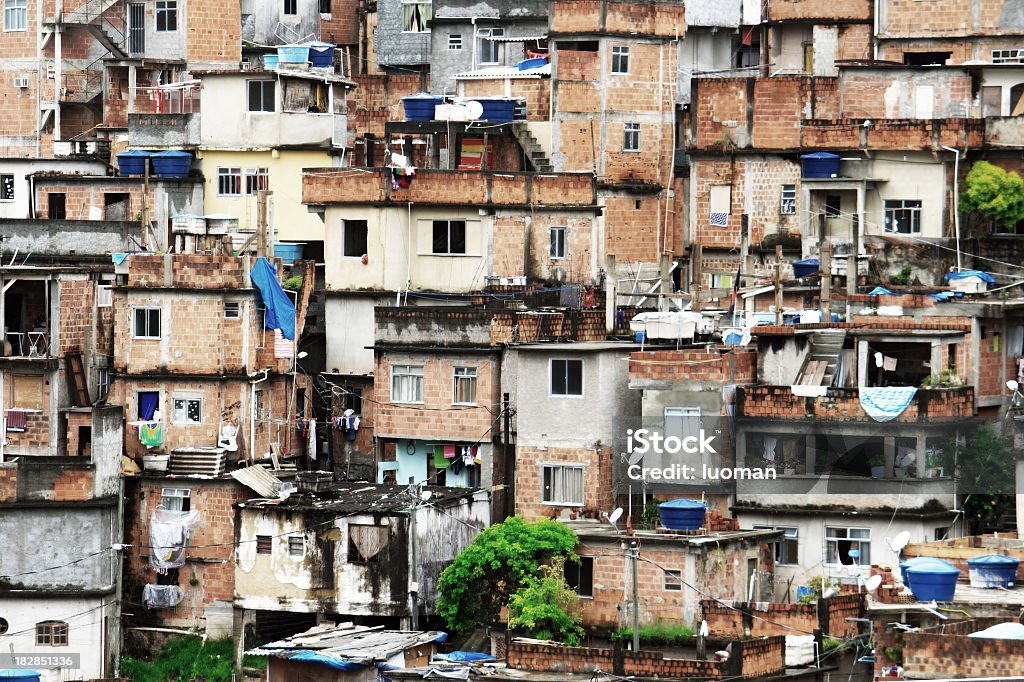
(820, 165)
(531, 63)
(993, 570)
(171, 164)
(289, 252)
(321, 54)
(20, 675)
(682, 514)
(133, 162)
(916, 562)
(293, 54)
(498, 110)
(420, 107)
(806, 268)
(933, 581)
(271, 62)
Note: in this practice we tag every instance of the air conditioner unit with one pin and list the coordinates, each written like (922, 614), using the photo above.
(21, 82)
(245, 65)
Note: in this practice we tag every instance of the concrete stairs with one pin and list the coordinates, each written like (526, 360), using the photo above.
(534, 153)
(823, 359)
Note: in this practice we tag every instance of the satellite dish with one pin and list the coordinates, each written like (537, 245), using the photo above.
(703, 629)
(1012, 384)
(615, 515)
(474, 110)
(899, 542)
(873, 582)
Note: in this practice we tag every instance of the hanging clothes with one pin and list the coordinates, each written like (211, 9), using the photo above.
(311, 448)
(449, 451)
(162, 596)
(439, 461)
(168, 535)
(151, 434)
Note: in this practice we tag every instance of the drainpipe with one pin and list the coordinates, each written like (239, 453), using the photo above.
(472, 20)
(252, 413)
(956, 203)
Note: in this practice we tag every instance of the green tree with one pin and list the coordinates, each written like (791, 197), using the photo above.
(995, 193)
(986, 475)
(546, 608)
(500, 561)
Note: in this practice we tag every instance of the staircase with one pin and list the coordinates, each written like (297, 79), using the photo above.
(89, 15)
(534, 153)
(823, 359)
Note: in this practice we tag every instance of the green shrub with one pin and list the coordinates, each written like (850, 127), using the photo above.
(187, 658)
(293, 283)
(659, 632)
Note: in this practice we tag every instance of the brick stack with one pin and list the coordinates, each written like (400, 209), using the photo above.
(8, 482)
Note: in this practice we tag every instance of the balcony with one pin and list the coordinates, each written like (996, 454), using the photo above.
(844, 405)
(1004, 131)
(171, 131)
(449, 188)
(475, 327)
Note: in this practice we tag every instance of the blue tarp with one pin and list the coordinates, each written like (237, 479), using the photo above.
(330, 661)
(467, 656)
(280, 309)
(880, 291)
(984, 276)
(938, 296)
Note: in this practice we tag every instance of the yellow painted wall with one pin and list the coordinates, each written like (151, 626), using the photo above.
(288, 216)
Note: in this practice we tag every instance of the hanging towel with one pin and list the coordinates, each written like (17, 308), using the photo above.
(168, 535)
(311, 449)
(162, 596)
(449, 451)
(889, 364)
(885, 403)
(439, 461)
(16, 421)
(151, 434)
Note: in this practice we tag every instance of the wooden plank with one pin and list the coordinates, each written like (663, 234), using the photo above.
(819, 373)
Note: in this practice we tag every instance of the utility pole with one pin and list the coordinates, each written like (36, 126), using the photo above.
(143, 215)
(414, 573)
(261, 222)
(634, 555)
(778, 284)
(825, 265)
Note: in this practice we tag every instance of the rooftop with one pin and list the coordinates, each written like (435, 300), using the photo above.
(599, 530)
(348, 642)
(354, 498)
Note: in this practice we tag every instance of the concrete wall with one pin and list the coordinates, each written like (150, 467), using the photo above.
(395, 47)
(106, 447)
(350, 331)
(288, 218)
(59, 237)
(527, 19)
(702, 50)
(265, 23)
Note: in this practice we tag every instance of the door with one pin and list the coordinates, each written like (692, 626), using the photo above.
(136, 27)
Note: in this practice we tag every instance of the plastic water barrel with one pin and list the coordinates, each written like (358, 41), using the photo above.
(293, 54)
(270, 62)
(498, 110)
(916, 561)
(321, 54)
(133, 162)
(289, 252)
(420, 107)
(20, 675)
(820, 165)
(531, 63)
(682, 514)
(935, 581)
(993, 570)
(171, 164)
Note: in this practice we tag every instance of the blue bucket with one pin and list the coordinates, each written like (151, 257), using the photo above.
(420, 107)
(498, 110)
(820, 165)
(682, 514)
(21, 675)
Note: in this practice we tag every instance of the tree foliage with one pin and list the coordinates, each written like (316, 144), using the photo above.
(546, 608)
(499, 562)
(995, 193)
(986, 475)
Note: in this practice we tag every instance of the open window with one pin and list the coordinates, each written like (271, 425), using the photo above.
(26, 318)
(302, 95)
(366, 543)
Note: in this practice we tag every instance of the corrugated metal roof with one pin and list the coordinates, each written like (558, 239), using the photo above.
(505, 72)
(365, 645)
(261, 481)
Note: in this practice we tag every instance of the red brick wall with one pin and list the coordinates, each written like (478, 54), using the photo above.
(76, 301)
(214, 32)
(343, 26)
(844, 404)
(73, 486)
(8, 482)
(782, 10)
(783, 619)
(560, 659)
(597, 490)
(81, 196)
(727, 367)
(946, 651)
(778, 110)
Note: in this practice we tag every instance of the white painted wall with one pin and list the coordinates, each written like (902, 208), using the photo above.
(910, 176)
(85, 616)
(22, 168)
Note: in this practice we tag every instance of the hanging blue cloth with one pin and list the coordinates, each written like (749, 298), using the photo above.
(983, 276)
(147, 404)
(280, 309)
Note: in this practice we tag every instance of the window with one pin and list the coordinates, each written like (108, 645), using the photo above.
(787, 201)
(296, 546)
(786, 550)
(258, 407)
(229, 181)
(232, 311)
(148, 404)
(580, 576)
(16, 19)
(407, 384)
(903, 216)
(833, 206)
(563, 485)
(256, 179)
(354, 237)
(489, 49)
(673, 581)
(415, 15)
(261, 95)
(464, 389)
(6, 187)
(56, 206)
(557, 239)
(720, 205)
(102, 384)
(352, 399)
(1013, 56)
(264, 544)
(176, 499)
(104, 296)
(366, 543)
(325, 6)
(27, 391)
(567, 377)
(51, 633)
(291, 7)
(167, 15)
(848, 546)
(147, 323)
(620, 59)
(631, 137)
(187, 410)
(454, 41)
(449, 237)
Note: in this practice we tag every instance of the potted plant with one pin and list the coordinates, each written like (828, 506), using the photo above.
(877, 464)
